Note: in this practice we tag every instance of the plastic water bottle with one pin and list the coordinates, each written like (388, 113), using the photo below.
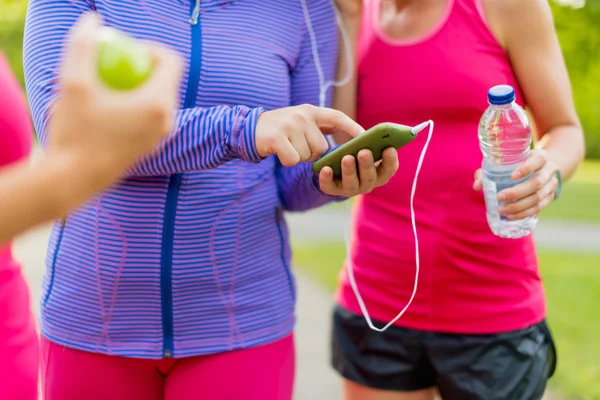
(505, 140)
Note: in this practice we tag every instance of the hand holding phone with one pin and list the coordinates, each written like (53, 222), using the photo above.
(376, 139)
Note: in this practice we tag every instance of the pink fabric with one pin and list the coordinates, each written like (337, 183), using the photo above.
(16, 131)
(258, 373)
(471, 281)
(18, 336)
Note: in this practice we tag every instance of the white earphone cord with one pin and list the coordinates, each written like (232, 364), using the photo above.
(359, 298)
(323, 87)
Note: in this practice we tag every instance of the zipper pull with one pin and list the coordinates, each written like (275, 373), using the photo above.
(195, 14)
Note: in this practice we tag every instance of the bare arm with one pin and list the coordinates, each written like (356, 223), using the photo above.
(344, 97)
(94, 136)
(31, 196)
(525, 28)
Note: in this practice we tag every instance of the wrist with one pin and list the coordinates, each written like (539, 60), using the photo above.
(244, 136)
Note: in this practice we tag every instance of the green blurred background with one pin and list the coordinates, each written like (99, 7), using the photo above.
(572, 279)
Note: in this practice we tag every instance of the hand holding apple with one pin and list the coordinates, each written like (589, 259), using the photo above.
(123, 63)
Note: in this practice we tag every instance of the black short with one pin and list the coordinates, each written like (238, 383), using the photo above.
(509, 366)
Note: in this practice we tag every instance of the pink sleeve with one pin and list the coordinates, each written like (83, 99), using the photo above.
(16, 133)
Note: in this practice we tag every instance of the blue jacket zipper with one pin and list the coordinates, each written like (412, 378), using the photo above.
(173, 190)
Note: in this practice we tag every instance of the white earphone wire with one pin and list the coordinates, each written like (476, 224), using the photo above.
(323, 87)
(349, 267)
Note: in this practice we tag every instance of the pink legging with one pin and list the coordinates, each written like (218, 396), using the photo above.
(259, 373)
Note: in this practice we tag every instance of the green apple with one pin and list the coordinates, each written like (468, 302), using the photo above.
(123, 63)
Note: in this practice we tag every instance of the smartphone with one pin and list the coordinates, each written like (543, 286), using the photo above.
(376, 139)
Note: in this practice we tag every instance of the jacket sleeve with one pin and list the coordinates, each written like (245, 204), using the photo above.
(299, 186)
(202, 137)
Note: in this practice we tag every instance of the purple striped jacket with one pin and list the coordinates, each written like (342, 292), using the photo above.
(189, 254)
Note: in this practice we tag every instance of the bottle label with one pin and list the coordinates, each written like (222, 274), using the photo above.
(490, 194)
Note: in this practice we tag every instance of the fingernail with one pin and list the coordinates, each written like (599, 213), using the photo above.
(502, 209)
(502, 196)
(517, 175)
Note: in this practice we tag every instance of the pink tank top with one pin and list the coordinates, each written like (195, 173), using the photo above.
(471, 281)
(16, 134)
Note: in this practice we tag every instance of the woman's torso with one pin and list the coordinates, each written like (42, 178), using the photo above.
(225, 240)
(470, 280)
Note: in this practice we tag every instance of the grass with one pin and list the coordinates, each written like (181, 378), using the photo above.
(573, 290)
(578, 200)
(580, 196)
(572, 285)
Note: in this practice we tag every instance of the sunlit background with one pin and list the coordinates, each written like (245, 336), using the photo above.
(568, 235)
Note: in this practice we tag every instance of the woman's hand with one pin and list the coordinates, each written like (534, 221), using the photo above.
(296, 134)
(368, 177)
(96, 132)
(532, 196)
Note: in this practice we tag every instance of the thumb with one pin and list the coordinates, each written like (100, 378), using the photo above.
(166, 76)
(478, 185)
(80, 54)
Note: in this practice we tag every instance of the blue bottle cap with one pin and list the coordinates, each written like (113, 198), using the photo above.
(501, 94)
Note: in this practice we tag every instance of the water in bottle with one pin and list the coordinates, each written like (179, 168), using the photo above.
(505, 140)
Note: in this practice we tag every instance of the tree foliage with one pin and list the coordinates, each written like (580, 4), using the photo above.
(579, 34)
